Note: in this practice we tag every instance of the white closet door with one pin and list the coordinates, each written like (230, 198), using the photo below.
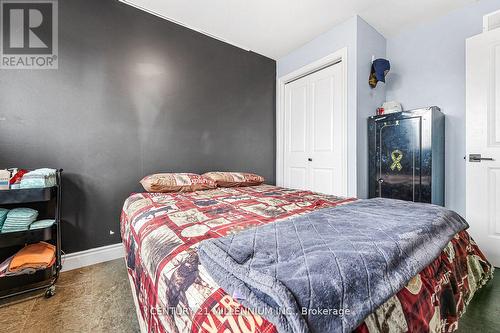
(296, 134)
(314, 133)
(326, 174)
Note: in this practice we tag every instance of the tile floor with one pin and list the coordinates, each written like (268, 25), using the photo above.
(91, 299)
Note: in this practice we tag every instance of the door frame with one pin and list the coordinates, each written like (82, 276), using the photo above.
(340, 57)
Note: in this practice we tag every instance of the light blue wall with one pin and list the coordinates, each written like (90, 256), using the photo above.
(369, 42)
(342, 35)
(428, 68)
(359, 38)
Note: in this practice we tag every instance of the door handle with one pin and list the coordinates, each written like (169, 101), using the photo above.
(478, 158)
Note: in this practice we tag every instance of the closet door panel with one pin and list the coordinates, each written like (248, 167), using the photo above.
(296, 135)
(298, 113)
(322, 180)
(322, 115)
(324, 129)
(298, 178)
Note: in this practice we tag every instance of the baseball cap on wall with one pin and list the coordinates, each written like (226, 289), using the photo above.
(380, 68)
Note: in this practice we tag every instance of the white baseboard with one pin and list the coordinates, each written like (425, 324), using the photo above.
(92, 256)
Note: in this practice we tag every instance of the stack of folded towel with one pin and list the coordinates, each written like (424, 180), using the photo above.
(29, 259)
(19, 219)
(42, 224)
(39, 178)
(3, 216)
(22, 219)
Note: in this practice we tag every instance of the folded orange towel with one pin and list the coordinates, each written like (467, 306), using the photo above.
(38, 256)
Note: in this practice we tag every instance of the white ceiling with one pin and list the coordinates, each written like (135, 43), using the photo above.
(276, 27)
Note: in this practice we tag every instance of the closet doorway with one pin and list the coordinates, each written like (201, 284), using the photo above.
(314, 131)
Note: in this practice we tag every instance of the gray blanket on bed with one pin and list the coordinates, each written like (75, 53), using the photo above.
(327, 270)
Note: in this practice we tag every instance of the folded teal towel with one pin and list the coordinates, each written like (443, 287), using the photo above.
(42, 224)
(22, 213)
(19, 219)
(3, 216)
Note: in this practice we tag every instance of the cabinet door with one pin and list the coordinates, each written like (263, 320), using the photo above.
(398, 159)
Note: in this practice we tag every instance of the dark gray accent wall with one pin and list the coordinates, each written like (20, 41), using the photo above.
(134, 94)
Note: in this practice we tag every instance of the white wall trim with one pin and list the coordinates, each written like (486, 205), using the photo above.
(92, 256)
(340, 55)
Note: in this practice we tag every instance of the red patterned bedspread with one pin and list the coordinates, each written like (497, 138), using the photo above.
(161, 233)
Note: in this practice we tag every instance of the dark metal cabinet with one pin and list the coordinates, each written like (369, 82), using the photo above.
(406, 155)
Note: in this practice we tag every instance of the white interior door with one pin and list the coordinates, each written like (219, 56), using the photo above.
(483, 139)
(314, 132)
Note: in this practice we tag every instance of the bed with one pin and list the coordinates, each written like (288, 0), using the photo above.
(174, 293)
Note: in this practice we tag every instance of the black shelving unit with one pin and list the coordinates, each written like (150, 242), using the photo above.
(48, 203)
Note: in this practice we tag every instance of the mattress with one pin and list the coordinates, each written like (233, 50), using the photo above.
(174, 293)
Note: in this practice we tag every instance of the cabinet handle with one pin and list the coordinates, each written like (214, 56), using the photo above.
(310, 159)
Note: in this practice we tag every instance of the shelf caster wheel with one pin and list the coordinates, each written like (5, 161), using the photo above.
(51, 291)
